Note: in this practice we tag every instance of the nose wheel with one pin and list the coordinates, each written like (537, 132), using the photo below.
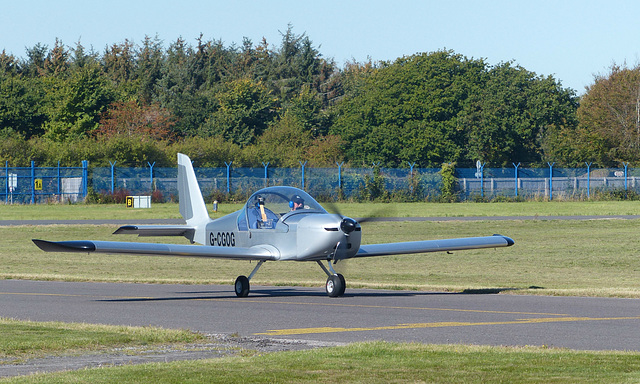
(335, 285)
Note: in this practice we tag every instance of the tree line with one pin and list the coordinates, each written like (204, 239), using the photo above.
(285, 103)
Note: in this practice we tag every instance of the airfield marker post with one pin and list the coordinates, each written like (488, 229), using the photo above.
(339, 174)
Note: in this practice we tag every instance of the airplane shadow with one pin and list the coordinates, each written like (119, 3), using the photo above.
(268, 292)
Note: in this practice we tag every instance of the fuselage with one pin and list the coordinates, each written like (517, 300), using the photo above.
(309, 233)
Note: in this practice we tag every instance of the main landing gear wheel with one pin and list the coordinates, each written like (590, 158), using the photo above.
(242, 286)
(335, 285)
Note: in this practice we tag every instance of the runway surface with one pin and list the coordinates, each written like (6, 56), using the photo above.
(361, 315)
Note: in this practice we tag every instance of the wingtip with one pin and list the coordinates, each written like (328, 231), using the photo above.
(509, 240)
(65, 246)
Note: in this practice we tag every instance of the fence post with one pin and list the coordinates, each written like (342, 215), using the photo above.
(6, 185)
(85, 178)
(551, 179)
(151, 175)
(302, 165)
(516, 167)
(625, 175)
(228, 176)
(411, 165)
(33, 182)
(339, 174)
(482, 179)
(113, 181)
(588, 179)
(60, 197)
(266, 175)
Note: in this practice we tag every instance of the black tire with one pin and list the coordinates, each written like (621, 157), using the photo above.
(343, 284)
(335, 285)
(242, 286)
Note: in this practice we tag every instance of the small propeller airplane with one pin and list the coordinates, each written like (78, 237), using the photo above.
(276, 223)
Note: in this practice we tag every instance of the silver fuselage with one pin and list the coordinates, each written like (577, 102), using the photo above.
(302, 236)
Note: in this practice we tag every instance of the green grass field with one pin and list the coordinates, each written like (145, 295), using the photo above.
(377, 362)
(170, 211)
(26, 339)
(590, 258)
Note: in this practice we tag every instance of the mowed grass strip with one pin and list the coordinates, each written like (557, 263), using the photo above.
(22, 339)
(378, 362)
(591, 257)
(170, 210)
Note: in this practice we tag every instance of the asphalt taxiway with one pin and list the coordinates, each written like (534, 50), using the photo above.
(296, 313)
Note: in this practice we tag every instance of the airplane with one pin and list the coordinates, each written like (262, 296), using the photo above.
(276, 224)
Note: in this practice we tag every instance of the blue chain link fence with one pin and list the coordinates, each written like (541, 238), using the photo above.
(33, 184)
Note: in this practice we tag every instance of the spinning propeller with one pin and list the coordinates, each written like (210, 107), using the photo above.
(347, 226)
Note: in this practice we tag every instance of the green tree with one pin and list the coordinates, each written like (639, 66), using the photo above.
(406, 111)
(508, 114)
(150, 60)
(609, 116)
(20, 102)
(245, 108)
(74, 106)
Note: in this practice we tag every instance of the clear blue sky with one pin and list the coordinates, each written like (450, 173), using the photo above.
(571, 40)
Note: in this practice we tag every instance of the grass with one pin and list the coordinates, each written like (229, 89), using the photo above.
(595, 257)
(170, 210)
(378, 362)
(588, 258)
(21, 339)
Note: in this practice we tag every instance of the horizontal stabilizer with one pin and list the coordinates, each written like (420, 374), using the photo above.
(156, 230)
(253, 253)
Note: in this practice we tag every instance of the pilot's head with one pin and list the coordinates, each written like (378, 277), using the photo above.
(296, 202)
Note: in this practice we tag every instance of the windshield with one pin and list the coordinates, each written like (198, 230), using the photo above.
(265, 207)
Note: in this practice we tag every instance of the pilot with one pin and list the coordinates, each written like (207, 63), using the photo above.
(260, 216)
(296, 202)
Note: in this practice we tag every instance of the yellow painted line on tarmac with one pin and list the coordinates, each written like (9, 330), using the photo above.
(306, 331)
(243, 300)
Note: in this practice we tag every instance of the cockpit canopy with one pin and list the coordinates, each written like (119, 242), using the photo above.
(266, 206)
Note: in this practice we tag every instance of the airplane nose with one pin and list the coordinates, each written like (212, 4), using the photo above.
(348, 225)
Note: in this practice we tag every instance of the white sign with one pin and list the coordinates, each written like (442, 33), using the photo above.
(13, 181)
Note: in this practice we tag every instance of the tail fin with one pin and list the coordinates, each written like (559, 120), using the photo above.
(192, 206)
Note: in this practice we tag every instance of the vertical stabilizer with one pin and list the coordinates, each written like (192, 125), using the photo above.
(192, 206)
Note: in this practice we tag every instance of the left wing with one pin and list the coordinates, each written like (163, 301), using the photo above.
(259, 252)
(434, 246)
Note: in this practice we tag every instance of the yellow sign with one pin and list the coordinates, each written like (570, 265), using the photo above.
(37, 184)
(129, 201)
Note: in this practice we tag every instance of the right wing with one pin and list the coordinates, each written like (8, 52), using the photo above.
(425, 246)
(258, 252)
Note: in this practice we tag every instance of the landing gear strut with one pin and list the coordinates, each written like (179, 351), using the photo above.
(242, 286)
(335, 285)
